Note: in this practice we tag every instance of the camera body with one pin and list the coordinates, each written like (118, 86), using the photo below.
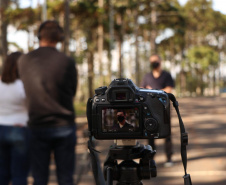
(145, 113)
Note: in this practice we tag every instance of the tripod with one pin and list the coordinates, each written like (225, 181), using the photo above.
(129, 172)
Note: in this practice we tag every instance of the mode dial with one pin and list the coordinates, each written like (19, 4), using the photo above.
(100, 90)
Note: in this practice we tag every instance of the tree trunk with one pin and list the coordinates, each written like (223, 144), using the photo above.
(100, 42)
(121, 34)
(111, 39)
(214, 82)
(3, 31)
(120, 58)
(153, 32)
(90, 74)
(138, 77)
(66, 27)
(44, 11)
(90, 38)
(182, 82)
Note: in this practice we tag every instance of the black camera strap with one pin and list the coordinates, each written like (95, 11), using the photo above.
(184, 140)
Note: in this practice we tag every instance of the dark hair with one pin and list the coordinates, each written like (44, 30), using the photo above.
(10, 69)
(122, 110)
(51, 31)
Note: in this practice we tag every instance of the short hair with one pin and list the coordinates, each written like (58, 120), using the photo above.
(10, 68)
(121, 110)
(51, 31)
(156, 56)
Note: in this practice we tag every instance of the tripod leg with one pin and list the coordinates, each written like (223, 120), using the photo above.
(109, 176)
(97, 171)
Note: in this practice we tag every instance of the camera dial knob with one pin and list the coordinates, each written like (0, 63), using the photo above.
(151, 125)
(101, 90)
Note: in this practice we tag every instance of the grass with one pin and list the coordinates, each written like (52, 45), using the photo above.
(80, 108)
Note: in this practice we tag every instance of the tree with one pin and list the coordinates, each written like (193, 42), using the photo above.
(202, 59)
(3, 30)
(100, 43)
(87, 17)
(66, 27)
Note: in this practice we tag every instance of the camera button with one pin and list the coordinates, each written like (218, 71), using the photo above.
(103, 100)
(152, 95)
(97, 99)
(141, 98)
(151, 125)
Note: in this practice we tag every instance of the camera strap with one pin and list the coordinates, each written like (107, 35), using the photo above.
(184, 140)
(97, 171)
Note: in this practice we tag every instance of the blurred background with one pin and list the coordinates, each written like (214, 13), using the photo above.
(115, 38)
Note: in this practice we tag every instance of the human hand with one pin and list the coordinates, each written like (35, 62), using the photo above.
(148, 87)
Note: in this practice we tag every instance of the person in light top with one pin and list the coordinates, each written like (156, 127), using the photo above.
(14, 135)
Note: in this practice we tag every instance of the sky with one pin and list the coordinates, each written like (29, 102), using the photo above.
(218, 5)
(20, 37)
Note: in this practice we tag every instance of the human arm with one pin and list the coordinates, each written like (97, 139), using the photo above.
(168, 89)
(169, 83)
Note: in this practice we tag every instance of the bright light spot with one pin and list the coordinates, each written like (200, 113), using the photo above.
(18, 37)
(28, 3)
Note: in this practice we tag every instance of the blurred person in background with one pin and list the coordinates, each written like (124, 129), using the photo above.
(50, 82)
(122, 124)
(14, 135)
(162, 80)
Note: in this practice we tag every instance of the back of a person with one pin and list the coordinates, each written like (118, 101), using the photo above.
(12, 103)
(50, 81)
(14, 135)
(49, 91)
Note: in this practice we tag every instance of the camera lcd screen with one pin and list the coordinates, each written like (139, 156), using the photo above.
(124, 120)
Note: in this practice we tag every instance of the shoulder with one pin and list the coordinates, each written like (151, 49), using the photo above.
(166, 73)
(31, 53)
(19, 84)
(128, 125)
(27, 57)
(64, 57)
(71, 60)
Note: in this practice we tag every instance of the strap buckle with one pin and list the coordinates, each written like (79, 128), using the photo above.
(175, 104)
(184, 138)
(187, 179)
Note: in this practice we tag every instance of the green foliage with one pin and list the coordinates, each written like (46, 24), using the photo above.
(203, 57)
(55, 8)
(79, 58)
(22, 18)
(80, 108)
(198, 13)
(197, 30)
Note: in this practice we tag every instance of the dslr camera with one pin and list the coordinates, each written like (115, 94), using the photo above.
(125, 111)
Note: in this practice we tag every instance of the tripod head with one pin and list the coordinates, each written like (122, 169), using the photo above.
(128, 171)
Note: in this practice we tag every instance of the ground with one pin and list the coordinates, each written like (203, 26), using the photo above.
(205, 122)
